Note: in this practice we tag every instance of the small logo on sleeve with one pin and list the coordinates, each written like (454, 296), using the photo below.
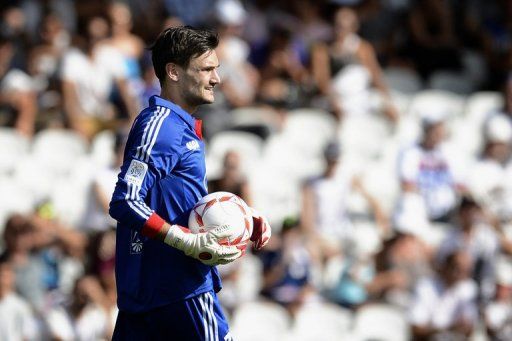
(193, 145)
(136, 243)
(136, 172)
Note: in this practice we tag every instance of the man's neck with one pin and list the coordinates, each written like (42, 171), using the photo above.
(172, 94)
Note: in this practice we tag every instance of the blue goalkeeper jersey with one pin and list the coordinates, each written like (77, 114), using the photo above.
(163, 173)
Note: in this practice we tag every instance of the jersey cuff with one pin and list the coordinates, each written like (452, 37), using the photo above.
(152, 226)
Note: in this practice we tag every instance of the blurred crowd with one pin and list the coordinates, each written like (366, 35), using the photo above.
(375, 135)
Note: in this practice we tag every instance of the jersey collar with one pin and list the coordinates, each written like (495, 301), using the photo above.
(193, 123)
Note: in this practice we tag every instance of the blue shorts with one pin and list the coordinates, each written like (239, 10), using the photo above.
(198, 318)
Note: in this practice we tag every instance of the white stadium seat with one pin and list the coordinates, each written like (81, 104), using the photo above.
(254, 116)
(58, 149)
(437, 101)
(13, 147)
(14, 199)
(403, 80)
(321, 321)
(380, 322)
(102, 148)
(256, 321)
(454, 82)
(247, 145)
(309, 129)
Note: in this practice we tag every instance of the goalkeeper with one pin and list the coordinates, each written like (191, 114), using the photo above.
(166, 276)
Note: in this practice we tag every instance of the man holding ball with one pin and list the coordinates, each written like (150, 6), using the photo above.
(166, 276)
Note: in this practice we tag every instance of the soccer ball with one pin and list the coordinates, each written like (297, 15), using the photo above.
(221, 208)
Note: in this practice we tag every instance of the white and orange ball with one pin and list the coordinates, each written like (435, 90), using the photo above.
(223, 208)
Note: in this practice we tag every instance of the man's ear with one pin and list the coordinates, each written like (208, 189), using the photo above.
(172, 71)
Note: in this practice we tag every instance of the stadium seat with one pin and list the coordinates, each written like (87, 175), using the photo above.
(368, 145)
(284, 155)
(14, 199)
(319, 125)
(437, 101)
(69, 201)
(29, 174)
(404, 80)
(255, 118)
(58, 149)
(13, 147)
(480, 104)
(276, 193)
(321, 321)
(451, 81)
(102, 148)
(256, 321)
(380, 322)
(468, 132)
(247, 145)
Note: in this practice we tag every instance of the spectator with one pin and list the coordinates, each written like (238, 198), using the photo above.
(231, 179)
(344, 69)
(96, 217)
(433, 44)
(36, 248)
(430, 169)
(444, 305)
(311, 26)
(84, 318)
(324, 205)
(17, 98)
(43, 66)
(17, 322)
(488, 178)
(128, 44)
(283, 76)
(239, 78)
(478, 239)
(89, 73)
(287, 269)
(402, 261)
(498, 313)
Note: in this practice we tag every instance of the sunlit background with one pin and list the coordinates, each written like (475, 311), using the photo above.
(374, 135)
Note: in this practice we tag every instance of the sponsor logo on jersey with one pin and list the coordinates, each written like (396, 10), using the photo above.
(136, 172)
(193, 145)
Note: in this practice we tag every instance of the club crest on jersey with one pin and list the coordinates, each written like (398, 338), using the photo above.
(193, 145)
(136, 172)
(136, 243)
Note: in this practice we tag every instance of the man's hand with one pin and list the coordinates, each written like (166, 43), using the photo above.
(204, 247)
(261, 230)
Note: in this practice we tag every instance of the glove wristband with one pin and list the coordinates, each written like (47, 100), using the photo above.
(152, 226)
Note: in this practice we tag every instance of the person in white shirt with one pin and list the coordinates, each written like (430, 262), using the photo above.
(89, 74)
(85, 318)
(444, 306)
(17, 320)
(17, 96)
(479, 239)
(488, 179)
(498, 313)
(430, 169)
(324, 215)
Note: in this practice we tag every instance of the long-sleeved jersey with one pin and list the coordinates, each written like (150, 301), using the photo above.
(163, 174)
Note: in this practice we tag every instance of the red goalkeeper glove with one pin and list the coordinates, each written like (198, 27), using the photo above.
(261, 231)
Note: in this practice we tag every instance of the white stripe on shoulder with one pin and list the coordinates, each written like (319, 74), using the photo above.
(205, 323)
(155, 135)
(147, 128)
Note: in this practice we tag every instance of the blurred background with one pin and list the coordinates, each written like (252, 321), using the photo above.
(374, 135)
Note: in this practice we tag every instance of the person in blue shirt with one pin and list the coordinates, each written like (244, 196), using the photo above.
(166, 276)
